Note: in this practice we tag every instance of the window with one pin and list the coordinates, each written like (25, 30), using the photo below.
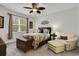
(19, 24)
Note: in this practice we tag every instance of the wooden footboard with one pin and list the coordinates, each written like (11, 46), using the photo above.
(43, 43)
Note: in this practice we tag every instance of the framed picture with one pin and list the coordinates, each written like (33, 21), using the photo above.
(31, 25)
(1, 22)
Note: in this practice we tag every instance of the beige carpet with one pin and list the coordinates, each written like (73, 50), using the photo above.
(42, 51)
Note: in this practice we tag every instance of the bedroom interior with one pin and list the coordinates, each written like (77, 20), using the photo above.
(39, 29)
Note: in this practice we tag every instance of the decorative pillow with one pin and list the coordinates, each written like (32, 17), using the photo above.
(40, 30)
(46, 31)
(63, 37)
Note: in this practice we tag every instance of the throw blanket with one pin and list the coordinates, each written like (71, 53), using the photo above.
(37, 39)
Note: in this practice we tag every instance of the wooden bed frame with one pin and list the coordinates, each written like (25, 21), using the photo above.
(44, 42)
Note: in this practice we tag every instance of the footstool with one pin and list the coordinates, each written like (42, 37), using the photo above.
(56, 46)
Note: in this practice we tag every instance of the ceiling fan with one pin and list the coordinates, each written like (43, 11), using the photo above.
(35, 8)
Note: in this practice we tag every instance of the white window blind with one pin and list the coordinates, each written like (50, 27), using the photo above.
(19, 24)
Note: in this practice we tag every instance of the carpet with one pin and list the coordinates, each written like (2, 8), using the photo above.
(42, 51)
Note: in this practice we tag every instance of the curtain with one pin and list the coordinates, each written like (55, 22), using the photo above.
(27, 26)
(10, 34)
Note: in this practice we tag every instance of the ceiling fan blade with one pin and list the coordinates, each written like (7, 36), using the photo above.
(28, 7)
(41, 8)
(39, 12)
(34, 5)
(31, 11)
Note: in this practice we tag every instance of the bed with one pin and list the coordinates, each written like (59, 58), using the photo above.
(40, 38)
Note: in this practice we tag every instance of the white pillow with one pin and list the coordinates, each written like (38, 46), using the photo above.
(46, 31)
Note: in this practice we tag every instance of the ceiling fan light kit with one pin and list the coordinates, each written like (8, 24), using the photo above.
(35, 8)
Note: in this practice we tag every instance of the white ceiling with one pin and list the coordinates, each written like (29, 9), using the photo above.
(50, 7)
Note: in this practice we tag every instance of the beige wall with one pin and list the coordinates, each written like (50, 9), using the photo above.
(65, 20)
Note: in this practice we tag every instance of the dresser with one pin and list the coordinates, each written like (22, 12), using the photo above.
(24, 44)
(2, 48)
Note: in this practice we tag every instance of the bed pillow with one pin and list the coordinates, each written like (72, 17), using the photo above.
(46, 31)
(40, 30)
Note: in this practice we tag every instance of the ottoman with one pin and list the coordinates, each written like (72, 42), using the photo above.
(56, 46)
(24, 44)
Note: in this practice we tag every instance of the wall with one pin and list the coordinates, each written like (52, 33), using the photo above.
(78, 21)
(66, 20)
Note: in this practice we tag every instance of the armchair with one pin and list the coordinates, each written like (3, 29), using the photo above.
(70, 43)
